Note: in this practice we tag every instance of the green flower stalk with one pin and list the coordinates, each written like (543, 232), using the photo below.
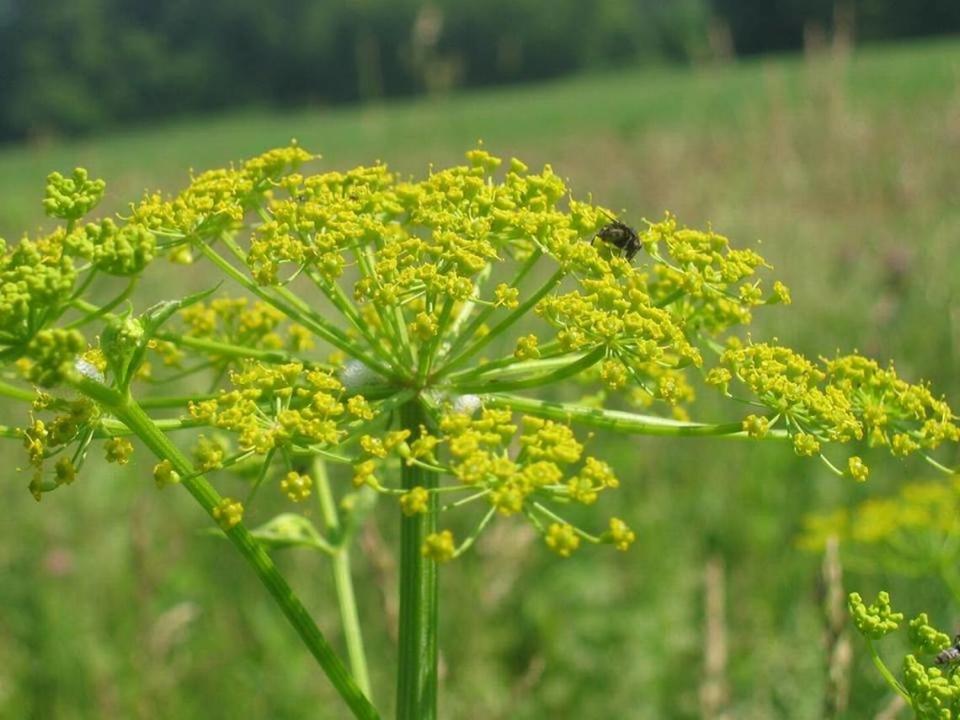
(410, 335)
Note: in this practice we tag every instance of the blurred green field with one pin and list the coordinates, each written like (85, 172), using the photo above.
(843, 167)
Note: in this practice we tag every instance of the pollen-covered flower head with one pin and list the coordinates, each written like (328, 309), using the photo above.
(420, 328)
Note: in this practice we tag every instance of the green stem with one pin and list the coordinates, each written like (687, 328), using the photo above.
(509, 365)
(885, 672)
(468, 543)
(216, 347)
(942, 468)
(454, 332)
(319, 328)
(462, 337)
(176, 402)
(520, 312)
(109, 428)
(342, 580)
(339, 300)
(126, 410)
(430, 348)
(15, 393)
(619, 420)
(566, 367)
(547, 512)
(229, 350)
(391, 317)
(417, 660)
(99, 312)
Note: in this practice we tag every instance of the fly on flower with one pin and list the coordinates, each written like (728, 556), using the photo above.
(621, 236)
(950, 656)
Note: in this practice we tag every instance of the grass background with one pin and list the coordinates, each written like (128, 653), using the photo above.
(843, 166)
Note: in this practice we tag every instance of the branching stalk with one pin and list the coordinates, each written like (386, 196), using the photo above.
(417, 660)
(127, 411)
(506, 323)
(342, 580)
(620, 421)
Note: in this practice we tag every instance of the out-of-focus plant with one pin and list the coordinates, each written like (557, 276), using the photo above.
(914, 533)
(929, 684)
(407, 330)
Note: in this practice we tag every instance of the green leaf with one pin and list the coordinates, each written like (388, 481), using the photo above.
(291, 530)
(155, 316)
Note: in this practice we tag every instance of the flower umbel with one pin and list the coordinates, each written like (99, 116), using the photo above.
(415, 334)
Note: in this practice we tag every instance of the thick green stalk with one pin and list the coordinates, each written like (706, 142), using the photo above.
(228, 350)
(564, 368)
(417, 661)
(342, 580)
(508, 365)
(131, 414)
(618, 420)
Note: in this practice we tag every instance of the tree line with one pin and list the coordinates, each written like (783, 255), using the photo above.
(87, 65)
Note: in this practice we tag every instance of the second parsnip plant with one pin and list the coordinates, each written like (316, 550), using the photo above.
(455, 340)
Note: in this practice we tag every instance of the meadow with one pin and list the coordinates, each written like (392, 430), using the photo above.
(841, 167)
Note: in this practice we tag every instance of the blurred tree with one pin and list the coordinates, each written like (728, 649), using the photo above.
(76, 67)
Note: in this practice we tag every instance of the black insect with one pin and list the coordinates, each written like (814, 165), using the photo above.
(951, 655)
(621, 236)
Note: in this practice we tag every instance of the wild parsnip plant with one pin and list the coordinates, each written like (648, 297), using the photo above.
(914, 533)
(454, 342)
(930, 684)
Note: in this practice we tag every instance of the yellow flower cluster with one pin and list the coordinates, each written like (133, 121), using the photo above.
(72, 197)
(296, 487)
(934, 694)
(709, 285)
(917, 511)
(562, 539)
(403, 278)
(616, 313)
(72, 425)
(164, 474)
(423, 251)
(228, 513)
(114, 249)
(926, 638)
(271, 406)
(875, 620)
(848, 398)
(439, 546)
(51, 353)
(208, 453)
(118, 450)
(217, 200)
(481, 458)
(36, 278)
(241, 322)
